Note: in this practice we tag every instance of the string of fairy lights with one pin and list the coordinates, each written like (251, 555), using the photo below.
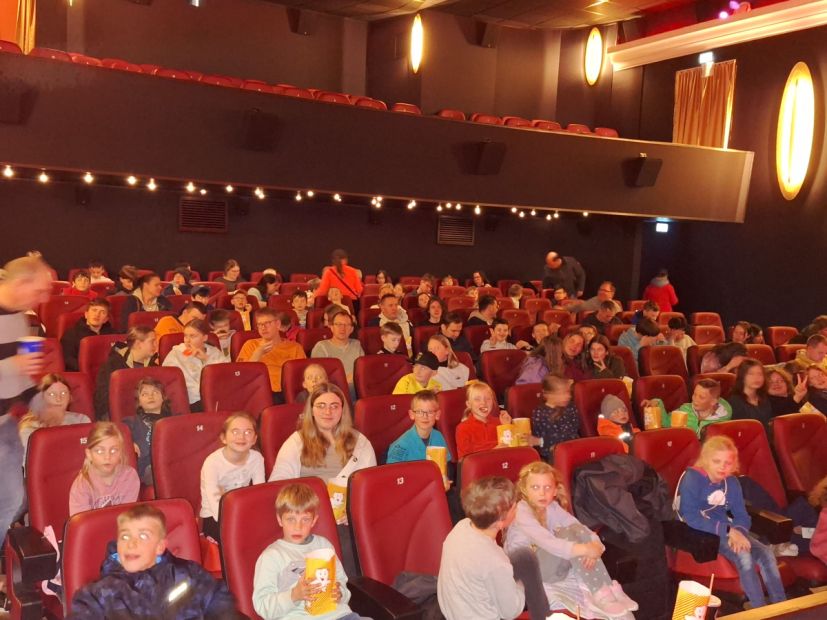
(11, 172)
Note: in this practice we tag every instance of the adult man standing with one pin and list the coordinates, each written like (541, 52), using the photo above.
(24, 283)
(564, 272)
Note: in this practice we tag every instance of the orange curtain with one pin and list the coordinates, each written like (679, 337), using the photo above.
(703, 105)
(17, 22)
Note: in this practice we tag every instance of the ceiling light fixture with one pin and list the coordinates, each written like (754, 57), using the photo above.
(8, 171)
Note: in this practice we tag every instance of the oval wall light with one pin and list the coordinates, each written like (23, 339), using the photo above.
(796, 123)
(417, 43)
(593, 58)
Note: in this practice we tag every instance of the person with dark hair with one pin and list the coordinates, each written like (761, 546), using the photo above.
(145, 298)
(480, 279)
(606, 315)
(707, 407)
(383, 277)
(201, 294)
(192, 356)
(232, 275)
(564, 272)
(267, 285)
(545, 359)
(678, 336)
(175, 324)
(740, 332)
(138, 351)
(487, 312)
(341, 275)
(785, 398)
(749, 399)
(127, 277)
(81, 286)
(814, 354)
(755, 334)
(451, 328)
(724, 357)
(818, 326)
(180, 284)
(601, 362)
(650, 310)
(646, 333)
(435, 310)
(95, 322)
(151, 404)
(97, 273)
(661, 291)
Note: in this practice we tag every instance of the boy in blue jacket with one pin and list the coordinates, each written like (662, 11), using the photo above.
(412, 444)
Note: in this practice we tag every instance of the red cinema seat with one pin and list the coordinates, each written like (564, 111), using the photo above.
(315, 319)
(377, 375)
(521, 400)
(635, 304)
(500, 369)
(175, 74)
(671, 389)
(237, 386)
(799, 440)
(67, 320)
(787, 352)
(725, 379)
(578, 128)
(780, 334)
(451, 411)
(761, 352)
(89, 533)
(382, 420)
(371, 340)
(82, 389)
(367, 313)
(476, 335)
(629, 362)
(278, 422)
(421, 335)
(288, 288)
(465, 358)
(122, 385)
(406, 108)
(489, 290)
(292, 375)
(330, 97)
(147, 319)
(707, 334)
(103, 289)
(413, 502)
(262, 87)
(706, 318)
(670, 451)
(57, 305)
(215, 287)
(546, 125)
(536, 307)
(179, 446)
(298, 93)
(516, 318)
(82, 59)
(506, 462)
(694, 356)
(368, 102)
(556, 315)
(237, 341)
(45, 52)
(454, 115)
(321, 302)
(279, 302)
(410, 280)
(167, 341)
(52, 356)
(567, 456)
(589, 394)
(662, 360)
(222, 80)
(9, 47)
(606, 132)
(245, 538)
(93, 353)
(58, 286)
(613, 333)
(116, 304)
(446, 292)
(458, 302)
(486, 119)
(308, 338)
(516, 121)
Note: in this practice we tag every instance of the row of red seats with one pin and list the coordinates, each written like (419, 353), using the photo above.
(290, 90)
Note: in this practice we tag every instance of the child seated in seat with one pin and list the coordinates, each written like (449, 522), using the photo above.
(515, 293)
(313, 375)
(709, 499)
(220, 326)
(478, 429)
(568, 552)
(81, 286)
(334, 296)
(498, 338)
(678, 336)
(556, 419)
(614, 421)
(391, 335)
(298, 301)
(707, 407)
(242, 306)
(105, 478)
(422, 378)
(413, 444)
(281, 586)
(140, 578)
(152, 406)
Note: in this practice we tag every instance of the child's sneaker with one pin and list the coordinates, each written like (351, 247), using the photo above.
(622, 597)
(789, 550)
(605, 601)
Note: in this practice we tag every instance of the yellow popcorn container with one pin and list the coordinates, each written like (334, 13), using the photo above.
(691, 602)
(678, 419)
(338, 500)
(651, 417)
(439, 455)
(522, 430)
(320, 569)
(506, 435)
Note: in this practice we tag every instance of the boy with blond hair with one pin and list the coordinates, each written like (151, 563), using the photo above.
(280, 586)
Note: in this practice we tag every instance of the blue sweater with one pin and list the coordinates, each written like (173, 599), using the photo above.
(411, 447)
(704, 504)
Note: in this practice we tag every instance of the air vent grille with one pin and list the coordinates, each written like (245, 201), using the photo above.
(204, 216)
(453, 230)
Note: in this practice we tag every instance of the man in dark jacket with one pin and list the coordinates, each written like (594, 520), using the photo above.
(95, 322)
(141, 579)
(564, 272)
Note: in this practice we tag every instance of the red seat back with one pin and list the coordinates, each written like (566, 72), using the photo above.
(569, 455)
(706, 318)
(662, 360)
(557, 315)
(456, 115)
(671, 389)
(694, 355)
(546, 125)
(500, 369)
(669, 451)
(51, 54)
(421, 335)
(53, 461)
(366, 313)
(707, 334)
(367, 102)
(288, 288)
(629, 361)
(406, 108)
(665, 317)
(122, 384)
(589, 394)
(82, 388)
(10, 47)
(536, 307)
(451, 410)
(88, 534)
(516, 121)
(50, 310)
(371, 340)
(377, 375)
(447, 292)
(52, 356)
(506, 462)
(93, 352)
(244, 538)
(761, 352)
(238, 340)
(302, 278)
(382, 419)
(780, 334)
(476, 335)
(521, 400)
(308, 338)
(315, 319)
(147, 319)
(787, 352)
(799, 440)
(725, 379)
(605, 132)
(278, 422)
(465, 359)
(460, 301)
(413, 502)
(116, 304)
(67, 320)
(292, 375)
(486, 119)
(614, 331)
(578, 128)
(516, 318)
(754, 455)
(179, 446)
(167, 341)
(237, 386)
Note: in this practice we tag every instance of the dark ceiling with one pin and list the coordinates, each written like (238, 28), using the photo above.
(514, 13)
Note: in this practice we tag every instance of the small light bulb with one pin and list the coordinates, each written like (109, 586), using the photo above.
(310, 193)
(230, 189)
(190, 187)
(439, 207)
(379, 199)
(88, 178)
(449, 205)
(513, 209)
(43, 177)
(152, 186)
(337, 197)
(260, 193)
(132, 180)
(556, 215)
(373, 201)
(477, 210)
(298, 196)
(533, 212)
(522, 213)
(548, 217)
(585, 214)
(459, 206)
(203, 192)
(8, 172)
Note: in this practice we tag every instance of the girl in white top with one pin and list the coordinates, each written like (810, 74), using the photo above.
(451, 373)
(568, 552)
(191, 356)
(326, 446)
(234, 466)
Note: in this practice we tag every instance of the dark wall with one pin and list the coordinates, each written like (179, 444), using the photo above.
(132, 226)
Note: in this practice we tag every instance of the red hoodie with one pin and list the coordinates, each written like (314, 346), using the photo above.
(662, 293)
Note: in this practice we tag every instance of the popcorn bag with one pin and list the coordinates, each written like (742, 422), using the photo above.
(678, 419)
(629, 383)
(320, 569)
(439, 455)
(338, 500)
(692, 601)
(651, 417)
(522, 429)
(506, 435)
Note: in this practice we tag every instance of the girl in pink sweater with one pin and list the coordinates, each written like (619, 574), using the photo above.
(818, 498)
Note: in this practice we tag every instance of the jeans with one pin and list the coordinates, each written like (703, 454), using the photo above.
(745, 562)
(11, 473)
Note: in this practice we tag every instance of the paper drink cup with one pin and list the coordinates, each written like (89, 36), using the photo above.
(651, 418)
(678, 419)
(30, 344)
(522, 428)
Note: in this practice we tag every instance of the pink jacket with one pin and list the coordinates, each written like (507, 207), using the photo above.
(818, 544)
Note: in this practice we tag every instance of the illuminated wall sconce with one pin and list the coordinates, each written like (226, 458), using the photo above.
(593, 58)
(796, 122)
(417, 43)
